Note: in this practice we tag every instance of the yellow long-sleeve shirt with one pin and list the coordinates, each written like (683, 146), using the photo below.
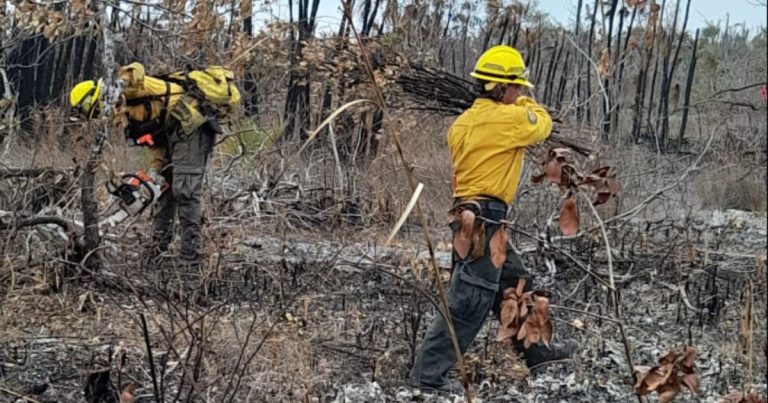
(487, 142)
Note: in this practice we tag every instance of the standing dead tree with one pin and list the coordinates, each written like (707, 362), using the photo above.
(297, 106)
(110, 95)
(688, 87)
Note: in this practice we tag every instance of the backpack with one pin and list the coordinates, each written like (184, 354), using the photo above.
(192, 97)
(213, 87)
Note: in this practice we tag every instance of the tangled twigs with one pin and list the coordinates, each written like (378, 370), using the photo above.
(614, 298)
(408, 168)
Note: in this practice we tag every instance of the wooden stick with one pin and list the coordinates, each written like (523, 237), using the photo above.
(20, 396)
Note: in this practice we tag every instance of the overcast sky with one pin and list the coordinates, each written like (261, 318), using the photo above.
(564, 11)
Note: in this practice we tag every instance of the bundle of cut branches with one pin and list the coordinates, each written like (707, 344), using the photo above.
(435, 90)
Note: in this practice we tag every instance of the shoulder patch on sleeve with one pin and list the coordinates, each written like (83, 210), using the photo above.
(532, 117)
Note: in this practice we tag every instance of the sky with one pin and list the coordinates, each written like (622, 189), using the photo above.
(748, 12)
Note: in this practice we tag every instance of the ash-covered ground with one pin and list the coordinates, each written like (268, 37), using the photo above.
(314, 318)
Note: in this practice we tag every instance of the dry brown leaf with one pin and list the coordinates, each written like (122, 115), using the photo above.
(520, 287)
(478, 240)
(689, 358)
(505, 332)
(462, 240)
(498, 247)
(561, 154)
(569, 217)
(669, 358)
(525, 300)
(554, 172)
(600, 197)
(559, 167)
(668, 391)
(674, 371)
(523, 333)
(541, 307)
(509, 315)
(691, 381)
(546, 333)
(605, 63)
(127, 394)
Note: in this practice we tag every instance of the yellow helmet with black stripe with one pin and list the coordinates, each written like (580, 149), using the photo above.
(85, 97)
(502, 64)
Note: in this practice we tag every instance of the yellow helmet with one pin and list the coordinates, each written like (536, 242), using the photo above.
(84, 96)
(502, 64)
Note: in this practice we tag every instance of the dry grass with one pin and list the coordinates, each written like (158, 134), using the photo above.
(733, 188)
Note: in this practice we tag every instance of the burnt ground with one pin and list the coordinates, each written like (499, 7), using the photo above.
(335, 317)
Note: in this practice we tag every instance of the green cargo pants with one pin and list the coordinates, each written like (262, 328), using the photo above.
(187, 157)
(476, 289)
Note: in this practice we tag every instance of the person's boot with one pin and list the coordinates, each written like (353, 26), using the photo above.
(539, 355)
(452, 386)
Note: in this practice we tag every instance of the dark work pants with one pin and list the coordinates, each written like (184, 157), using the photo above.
(188, 157)
(476, 288)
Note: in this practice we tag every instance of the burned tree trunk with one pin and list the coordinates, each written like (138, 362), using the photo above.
(608, 99)
(246, 13)
(670, 74)
(296, 112)
(589, 69)
(688, 86)
(577, 63)
(642, 80)
(651, 94)
(662, 120)
(618, 65)
(250, 85)
(552, 69)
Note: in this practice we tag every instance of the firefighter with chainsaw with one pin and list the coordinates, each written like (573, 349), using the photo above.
(487, 144)
(177, 117)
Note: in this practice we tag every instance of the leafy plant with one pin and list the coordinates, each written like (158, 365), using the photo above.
(560, 168)
(675, 370)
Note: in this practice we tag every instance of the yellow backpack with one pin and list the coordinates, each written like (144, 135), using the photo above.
(188, 96)
(213, 86)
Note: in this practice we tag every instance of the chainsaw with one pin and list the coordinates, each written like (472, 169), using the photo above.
(138, 191)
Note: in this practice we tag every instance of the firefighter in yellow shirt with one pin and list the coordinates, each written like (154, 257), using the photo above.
(487, 144)
(162, 117)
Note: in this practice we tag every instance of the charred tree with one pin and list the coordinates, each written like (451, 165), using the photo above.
(688, 87)
(652, 92)
(296, 113)
(608, 99)
(588, 67)
(642, 79)
(670, 74)
(577, 63)
(615, 73)
(661, 119)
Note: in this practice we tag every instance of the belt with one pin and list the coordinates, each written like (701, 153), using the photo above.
(485, 203)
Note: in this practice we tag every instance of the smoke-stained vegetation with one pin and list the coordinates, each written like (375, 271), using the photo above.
(643, 214)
